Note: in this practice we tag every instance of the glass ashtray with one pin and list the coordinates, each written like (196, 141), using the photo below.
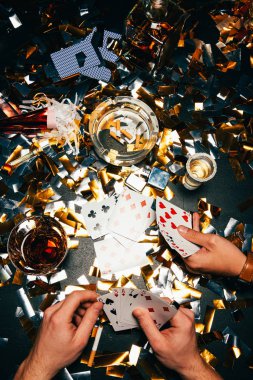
(123, 130)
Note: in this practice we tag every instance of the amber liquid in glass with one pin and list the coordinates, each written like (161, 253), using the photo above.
(38, 247)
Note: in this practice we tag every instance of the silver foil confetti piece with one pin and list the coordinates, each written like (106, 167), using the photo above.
(230, 227)
(25, 303)
(58, 276)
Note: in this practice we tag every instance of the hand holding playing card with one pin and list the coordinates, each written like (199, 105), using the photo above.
(176, 347)
(120, 303)
(217, 255)
(169, 217)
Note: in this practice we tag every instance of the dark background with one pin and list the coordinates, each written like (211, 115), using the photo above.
(223, 191)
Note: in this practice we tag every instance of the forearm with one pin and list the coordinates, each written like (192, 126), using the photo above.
(29, 370)
(200, 370)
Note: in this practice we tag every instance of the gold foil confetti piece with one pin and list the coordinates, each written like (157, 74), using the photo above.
(208, 209)
(73, 244)
(67, 164)
(28, 327)
(96, 190)
(103, 176)
(204, 222)
(178, 285)
(116, 371)
(199, 328)
(85, 358)
(72, 288)
(209, 358)
(18, 277)
(104, 285)
(74, 31)
(233, 305)
(15, 154)
(134, 354)
(236, 351)
(208, 319)
(123, 282)
(94, 271)
(48, 300)
(105, 360)
(237, 169)
(168, 193)
(148, 276)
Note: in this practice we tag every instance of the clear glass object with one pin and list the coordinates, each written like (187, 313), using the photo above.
(152, 32)
(37, 245)
(200, 168)
(123, 130)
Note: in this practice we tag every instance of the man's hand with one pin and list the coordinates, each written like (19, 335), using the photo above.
(217, 255)
(176, 347)
(63, 334)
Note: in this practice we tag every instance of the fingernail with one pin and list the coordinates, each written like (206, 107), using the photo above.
(182, 229)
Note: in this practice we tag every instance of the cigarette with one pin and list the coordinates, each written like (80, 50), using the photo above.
(95, 346)
(137, 141)
(118, 134)
(113, 135)
(126, 134)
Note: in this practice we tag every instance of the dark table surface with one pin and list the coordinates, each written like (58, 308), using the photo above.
(223, 191)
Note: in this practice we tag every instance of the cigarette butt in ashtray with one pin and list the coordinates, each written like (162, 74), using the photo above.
(115, 137)
(118, 133)
(126, 134)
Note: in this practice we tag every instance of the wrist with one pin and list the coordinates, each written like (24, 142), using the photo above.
(198, 369)
(31, 369)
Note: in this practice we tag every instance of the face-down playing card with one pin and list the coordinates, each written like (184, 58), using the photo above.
(120, 304)
(132, 215)
(113, 257)
(169, 217)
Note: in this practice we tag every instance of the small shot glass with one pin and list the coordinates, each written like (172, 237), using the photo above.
(200, 168)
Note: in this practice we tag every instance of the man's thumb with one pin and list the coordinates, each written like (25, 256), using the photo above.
(193, 236)
(147, 324)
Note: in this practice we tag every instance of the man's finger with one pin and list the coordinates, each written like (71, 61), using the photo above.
(195, 223)
(73, 301)
(147, 324)
(194, 236)
(88, 322)
(178, 319)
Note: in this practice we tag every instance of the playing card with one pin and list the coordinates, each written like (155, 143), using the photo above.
(132, 215)
(96, 216)
(111, 302)
(111, 306)
(120, 304)
(160, 311)
(169, 217)
(113, 257)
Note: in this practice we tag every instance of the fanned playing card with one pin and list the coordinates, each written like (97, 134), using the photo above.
(169, 217)
(113, 257)
(96, 216)
(120, 303)
(132, 215)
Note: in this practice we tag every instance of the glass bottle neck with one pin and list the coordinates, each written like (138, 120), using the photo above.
(156, 10)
